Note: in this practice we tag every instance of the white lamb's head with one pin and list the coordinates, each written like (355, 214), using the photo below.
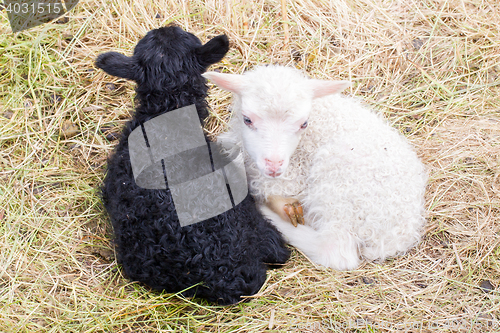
(272, 105)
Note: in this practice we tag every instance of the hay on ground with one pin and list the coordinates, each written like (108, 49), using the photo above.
(432, 67)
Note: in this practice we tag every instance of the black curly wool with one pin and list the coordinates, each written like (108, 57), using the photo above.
(226, 254)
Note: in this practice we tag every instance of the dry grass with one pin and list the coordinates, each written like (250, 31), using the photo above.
(431, 66)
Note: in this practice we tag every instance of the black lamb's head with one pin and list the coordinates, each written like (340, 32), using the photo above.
(165, 59)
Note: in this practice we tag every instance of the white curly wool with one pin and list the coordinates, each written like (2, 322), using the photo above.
(359, 181)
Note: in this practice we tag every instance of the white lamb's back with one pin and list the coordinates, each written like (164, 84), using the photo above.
(367, 174)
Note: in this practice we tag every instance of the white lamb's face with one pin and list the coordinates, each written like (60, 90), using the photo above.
(273, 106)
(271, 134)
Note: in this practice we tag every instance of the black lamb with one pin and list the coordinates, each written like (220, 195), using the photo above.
(226, 255)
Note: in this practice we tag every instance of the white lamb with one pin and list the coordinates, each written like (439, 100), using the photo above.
(360, 183)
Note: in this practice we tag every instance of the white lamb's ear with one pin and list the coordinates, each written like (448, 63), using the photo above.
(323, 87)
(229, 82)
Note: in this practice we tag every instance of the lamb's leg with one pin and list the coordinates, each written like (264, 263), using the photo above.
(287, 208)
(337, 249)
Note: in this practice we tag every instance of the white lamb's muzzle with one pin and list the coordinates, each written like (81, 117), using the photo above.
(274, 173)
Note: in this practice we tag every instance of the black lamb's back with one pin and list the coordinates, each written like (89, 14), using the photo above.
(225, 254)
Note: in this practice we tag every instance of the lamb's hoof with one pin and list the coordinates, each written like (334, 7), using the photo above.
(295, 213)
(287, 208)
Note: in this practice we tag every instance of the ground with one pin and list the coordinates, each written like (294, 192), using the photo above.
(432, 67)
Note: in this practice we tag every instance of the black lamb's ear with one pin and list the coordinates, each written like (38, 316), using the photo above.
(117, 64)
(213, 51)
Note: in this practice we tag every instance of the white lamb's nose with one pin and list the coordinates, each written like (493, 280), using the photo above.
(273, 166)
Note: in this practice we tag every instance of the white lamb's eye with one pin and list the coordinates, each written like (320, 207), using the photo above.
(304, 125)
(247, 120)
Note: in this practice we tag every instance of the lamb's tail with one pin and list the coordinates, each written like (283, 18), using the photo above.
(337, 249)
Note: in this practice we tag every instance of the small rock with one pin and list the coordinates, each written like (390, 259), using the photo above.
(28, 104)
(368, 89)
(8, 114)
(296, 55)
(54, 98)
(486, 286)
(67, 37)
(110, 86)
(68, 129)
(367, 280)
(63, 20)
(112, 136)
(74, 146)
(469, 160)
(158, 16)
(408, 129)
(417, 43)
(38, 189)
(444, 243)
(106, 254)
